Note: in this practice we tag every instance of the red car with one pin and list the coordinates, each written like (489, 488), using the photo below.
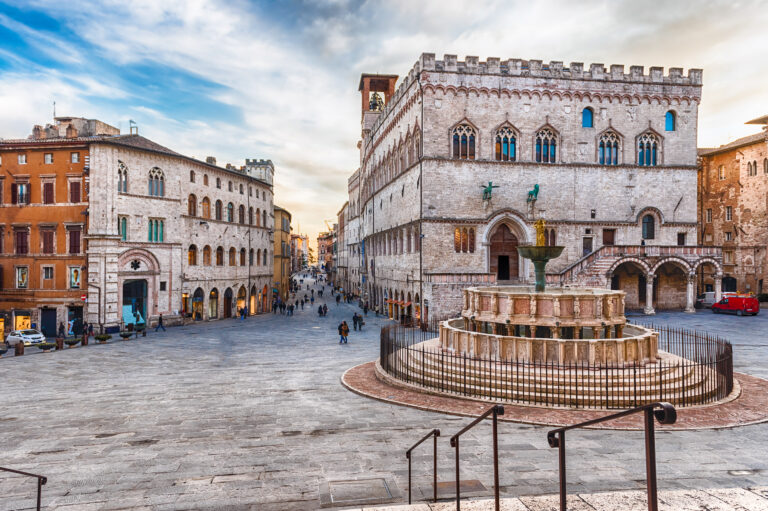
(739, 305)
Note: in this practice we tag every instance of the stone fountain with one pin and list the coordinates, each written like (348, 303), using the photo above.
(540, 254)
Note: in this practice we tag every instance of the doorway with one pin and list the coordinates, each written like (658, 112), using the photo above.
(503, 267)
(586, 245)
(134, 301)
(75, 320)
(228, 303)
(48, 322)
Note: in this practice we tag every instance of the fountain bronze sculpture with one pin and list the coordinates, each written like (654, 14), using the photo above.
(540, 254)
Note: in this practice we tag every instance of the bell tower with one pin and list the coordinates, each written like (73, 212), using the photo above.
(375, 91)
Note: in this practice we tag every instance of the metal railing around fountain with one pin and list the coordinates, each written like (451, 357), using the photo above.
(700, 372)
(41, 480)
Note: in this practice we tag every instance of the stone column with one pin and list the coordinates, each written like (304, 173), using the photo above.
(649, 310)
(690, 295)
(718, 287)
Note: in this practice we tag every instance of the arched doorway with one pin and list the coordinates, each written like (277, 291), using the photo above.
(630, 277)
(252, 302)
(228, 303)
(669, 292)
(504, 261)
(264, 299)
(241, 298)
(197, 304)
(135, 301)
(729, 285)
(213, 304)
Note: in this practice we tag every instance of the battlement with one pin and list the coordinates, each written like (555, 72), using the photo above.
(555, 69)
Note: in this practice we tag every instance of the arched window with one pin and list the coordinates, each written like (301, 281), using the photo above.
(506, 145)
(229, 186)
(258, 216)
(546, 146)
(549, 237)
(464, 138)
(765, 166)
(122, 177)
(587, 118)
(647, 150)
(218, 182)
(205, 179)
(241, 188)
(608, 148)
(464, 240)
(123, 228)
(471, 241)
(219, 211)
(250, 258)
(232, 256)
(241, 214)
(219, 256)
(670, 121)
(264, 218)
(207, 255)
(749, 168)
(156, 182)
(264, 257)
(191, 176)
(250, 216)
(230, 212)
(649, 227)
(242, 257)
(192, 255)
(192, 204)
(206, 206)
(258, 257)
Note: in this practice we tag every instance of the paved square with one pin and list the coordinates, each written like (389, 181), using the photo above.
(251, 415)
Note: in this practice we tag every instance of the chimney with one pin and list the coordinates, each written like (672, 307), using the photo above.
(210, 160)
(71, 132)
(38, 133)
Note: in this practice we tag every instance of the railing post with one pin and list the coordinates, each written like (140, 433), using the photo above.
(650, 460)
(458, 490)
(434, 471)
(496, 456)
(39, 492)
(409, 478)
(561, 456)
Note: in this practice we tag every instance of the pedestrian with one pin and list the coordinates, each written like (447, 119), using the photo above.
(325, 310)
(355, 320)
(338, 299)
(160, 323)
(345, 331)
(320, 310)
(302, 305)
(341, 332)
(312, 300)
(365, 308)
(360, 323)
(90, 329)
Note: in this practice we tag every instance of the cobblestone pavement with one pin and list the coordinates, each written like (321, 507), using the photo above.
(251, 415)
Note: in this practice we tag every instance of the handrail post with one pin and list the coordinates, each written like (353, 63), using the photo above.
(409, 478)
(434, 469)
(650, 461)
(561, 459)
(39, 492)
(458, 490)
(496, 456)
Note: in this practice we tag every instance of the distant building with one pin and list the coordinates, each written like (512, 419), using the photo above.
(282, 251)
(733, 211)
(325, 250)
(299, 252)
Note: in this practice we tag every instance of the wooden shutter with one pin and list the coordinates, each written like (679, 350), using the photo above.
(74, 191)
(21, 242)
(47, 193)
(74, 241)
(14, 193)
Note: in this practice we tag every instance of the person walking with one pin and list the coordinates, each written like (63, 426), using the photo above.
(160, 324)
(365, 308)
(343, 332)
(320, 310)
(90, 329)
(325, 310)
(312, 300)
(338, 299)
(354, 321)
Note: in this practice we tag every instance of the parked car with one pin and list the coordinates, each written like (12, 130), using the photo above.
(29, 337)
(739, 305)
(706, 300)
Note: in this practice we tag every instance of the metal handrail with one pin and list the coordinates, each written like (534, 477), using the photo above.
(434, 433)
(41, 480)
(496, 410)
(665, 413)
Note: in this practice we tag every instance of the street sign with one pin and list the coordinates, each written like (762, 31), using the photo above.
(84, 297)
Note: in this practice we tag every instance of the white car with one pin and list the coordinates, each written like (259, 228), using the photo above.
(28, 337)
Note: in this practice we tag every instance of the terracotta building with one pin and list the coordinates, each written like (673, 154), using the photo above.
(43, 219)
(733, 212)
(325, 250)
(282, 251)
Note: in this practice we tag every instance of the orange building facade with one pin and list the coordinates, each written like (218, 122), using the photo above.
(43, 219)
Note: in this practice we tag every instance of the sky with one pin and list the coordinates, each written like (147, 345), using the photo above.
(278, 80)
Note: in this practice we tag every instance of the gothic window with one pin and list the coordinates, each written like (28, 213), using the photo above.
(250, 216)
(191, 176)
(230, 212)
(464, 138)
(647, 150)
(506, 145)
(207, 255)
(242, 257)
(218, 182)
(219, 210)
(192, 255)
(587, 118)
(122, 177)
(749, 168)
(550, 237)
(206, 206)
(230, 186)
(205, 179)
(258, 257)
(649, 227)
(241, 189)
(192, 204)
(241, 214)
(122, 226)
(156, 182)
(264, 218)
(219, 256)
(463, 240)
(258, 217)
(264, 257)
(155, 231)
(670, 121)
(608, 148)
(232, 256)
(546, 146)
(250, 258)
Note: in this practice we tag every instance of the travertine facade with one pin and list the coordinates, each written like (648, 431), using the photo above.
(175, 236)
(733, 186)
(608, 156)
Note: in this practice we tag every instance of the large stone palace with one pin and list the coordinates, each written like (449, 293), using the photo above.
(461, 158)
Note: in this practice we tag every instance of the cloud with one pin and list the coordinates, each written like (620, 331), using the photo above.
(278, 80)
